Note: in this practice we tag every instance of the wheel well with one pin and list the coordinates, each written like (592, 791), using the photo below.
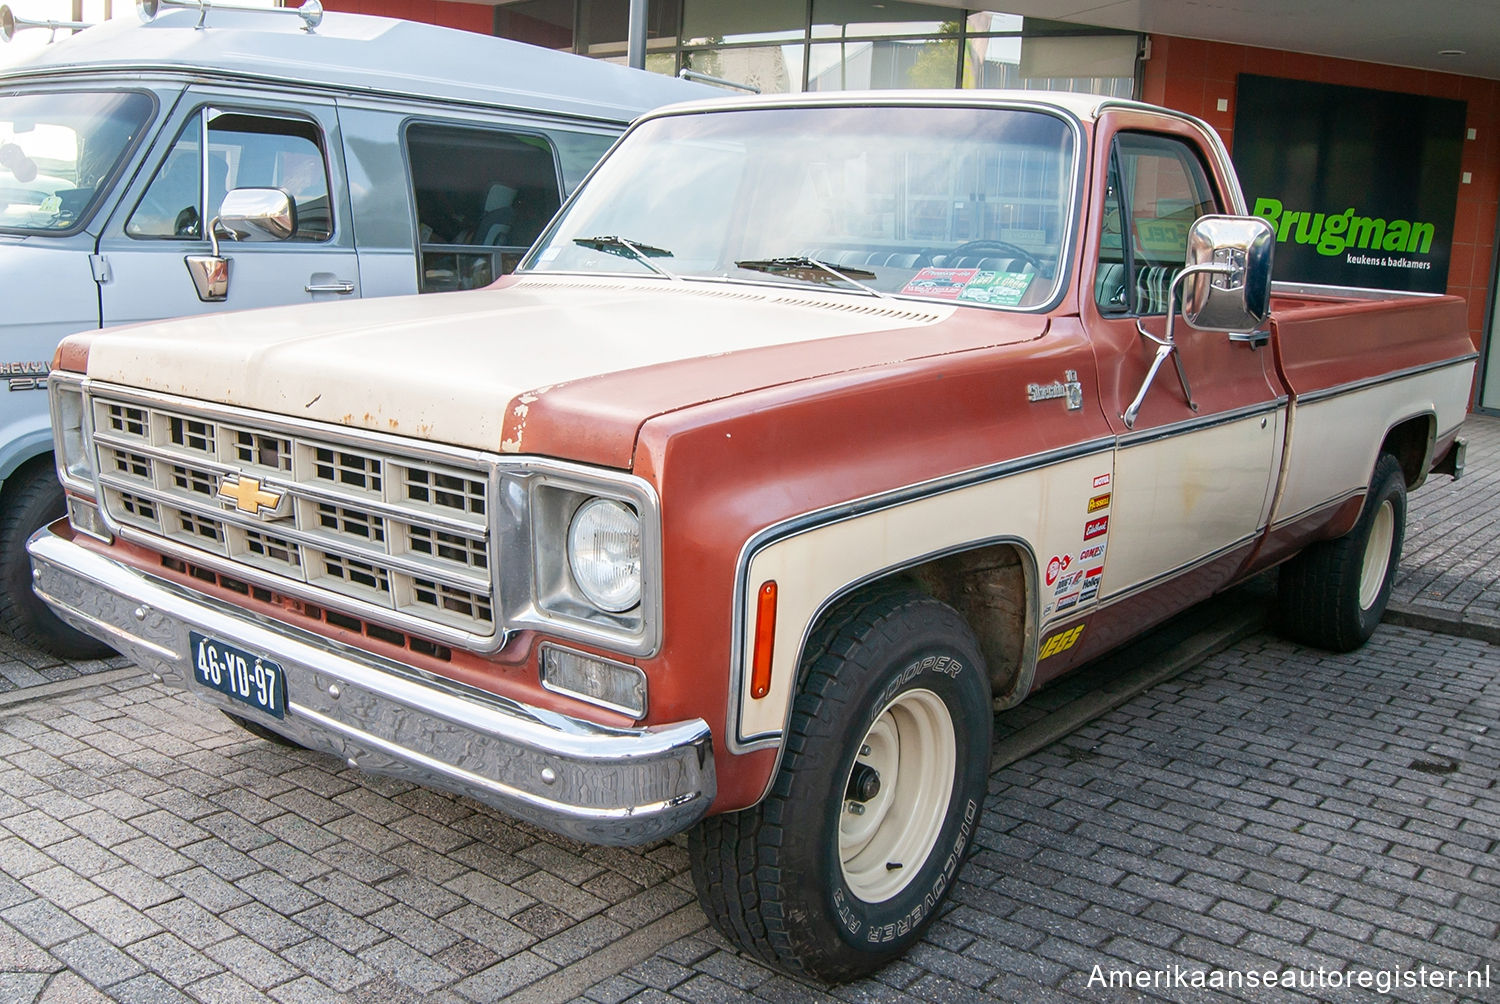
(987, 586)
(1411, 444)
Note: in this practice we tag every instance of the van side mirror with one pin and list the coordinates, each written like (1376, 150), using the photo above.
(257, 214)
(246, 214)
(1230, 290)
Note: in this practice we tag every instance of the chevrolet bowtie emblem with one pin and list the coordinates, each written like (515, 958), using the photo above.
(248, 496)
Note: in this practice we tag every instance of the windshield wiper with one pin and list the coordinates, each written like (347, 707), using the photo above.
(634, 250)
(808, 268)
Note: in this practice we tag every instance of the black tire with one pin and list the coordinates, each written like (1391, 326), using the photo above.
(776, 879)
(259, 730)
(32, 499)
(1333, 594)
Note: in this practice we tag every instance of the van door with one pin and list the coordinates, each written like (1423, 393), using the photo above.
(220, 145)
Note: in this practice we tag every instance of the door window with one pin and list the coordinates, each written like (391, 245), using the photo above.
(1157, 188)
(482, 199)
(244, 151)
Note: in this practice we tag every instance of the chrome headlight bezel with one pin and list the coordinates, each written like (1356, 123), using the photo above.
(71, 433)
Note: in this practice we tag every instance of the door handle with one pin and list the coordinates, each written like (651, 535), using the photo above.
(343, 286)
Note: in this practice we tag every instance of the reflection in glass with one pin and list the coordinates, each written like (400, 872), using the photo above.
(963, 204)
(773, 69)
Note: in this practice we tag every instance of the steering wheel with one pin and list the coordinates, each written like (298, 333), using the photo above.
(975, 247)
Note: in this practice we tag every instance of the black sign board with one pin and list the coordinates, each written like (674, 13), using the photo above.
(1360, 184)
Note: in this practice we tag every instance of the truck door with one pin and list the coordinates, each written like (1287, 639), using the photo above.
(1194, 471)
(220, 145)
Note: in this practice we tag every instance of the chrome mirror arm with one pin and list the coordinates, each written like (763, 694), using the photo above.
(1167, 344)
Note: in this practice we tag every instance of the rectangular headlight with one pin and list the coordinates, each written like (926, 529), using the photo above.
(68, 436)
(613, 685)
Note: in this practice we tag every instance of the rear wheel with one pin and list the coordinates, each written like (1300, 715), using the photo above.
(843, 865)
(32, 499)
(1333, 594)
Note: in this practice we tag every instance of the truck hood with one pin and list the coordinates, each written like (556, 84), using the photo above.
(464, 368)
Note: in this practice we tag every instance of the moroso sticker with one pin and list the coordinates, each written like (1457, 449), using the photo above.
(1060, 642)
(1057, 566)
(1102, 481)
(1067, 602)
(1093, 552)
(1099, 502)
(1096, 528)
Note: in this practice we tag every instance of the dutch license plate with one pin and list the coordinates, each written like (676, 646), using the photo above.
(249, 679)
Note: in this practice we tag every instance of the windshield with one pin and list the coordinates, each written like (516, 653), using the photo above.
(58, 151)
(967, 205)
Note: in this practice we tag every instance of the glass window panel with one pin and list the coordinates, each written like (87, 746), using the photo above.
(859, 18)
(716, 22)
(604, 25)
(996, 63)
(59, 151)
(548, 23)
(989, 20)
(775, 69)
(883, 64)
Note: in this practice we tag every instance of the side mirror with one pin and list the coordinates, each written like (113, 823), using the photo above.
(246, 214)
(257, 214)
(1231, 291)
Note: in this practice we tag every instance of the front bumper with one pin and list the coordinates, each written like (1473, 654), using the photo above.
(586, 781)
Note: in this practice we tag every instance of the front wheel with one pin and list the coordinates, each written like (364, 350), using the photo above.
(1333, 594)
(843, 865)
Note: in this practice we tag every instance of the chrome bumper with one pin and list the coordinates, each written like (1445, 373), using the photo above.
(589, 782)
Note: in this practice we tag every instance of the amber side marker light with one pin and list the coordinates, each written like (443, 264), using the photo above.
(765, 636)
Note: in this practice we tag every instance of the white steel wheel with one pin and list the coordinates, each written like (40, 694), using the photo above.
(1377, 557)
(896, 798)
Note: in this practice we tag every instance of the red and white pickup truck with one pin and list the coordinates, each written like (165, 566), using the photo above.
(812, 429)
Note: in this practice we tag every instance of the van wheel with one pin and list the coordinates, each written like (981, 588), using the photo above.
(844, 864)
(32, 499)
(1333, 594)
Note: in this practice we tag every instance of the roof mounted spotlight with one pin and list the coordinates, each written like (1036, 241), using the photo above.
(10, 24)
(311, 11)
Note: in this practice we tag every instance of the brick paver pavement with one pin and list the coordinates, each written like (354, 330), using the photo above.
(1450, 567)
(1274, 807)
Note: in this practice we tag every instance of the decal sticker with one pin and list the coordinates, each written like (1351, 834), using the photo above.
(1060, 642)
(1093, 552)
(1099, 502)
(1096, 528)
(1067, 582)
(1091, 584)
(1003, 288)
(1057, 566)
(1068, 388)
(940, 283)
(1102, 481)
(1067, 602)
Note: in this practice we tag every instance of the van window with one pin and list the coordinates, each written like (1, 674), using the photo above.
(482, 198)
(244, 151)
(59, 151)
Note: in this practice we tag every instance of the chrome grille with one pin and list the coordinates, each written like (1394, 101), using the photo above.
(394, 532)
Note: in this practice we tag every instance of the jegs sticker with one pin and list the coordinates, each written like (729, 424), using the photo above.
(1060, 642)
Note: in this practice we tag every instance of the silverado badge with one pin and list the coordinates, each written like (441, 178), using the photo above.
(1068, 388)
(248, 495)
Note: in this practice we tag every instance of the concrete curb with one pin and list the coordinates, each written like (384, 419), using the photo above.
(1449, 622)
